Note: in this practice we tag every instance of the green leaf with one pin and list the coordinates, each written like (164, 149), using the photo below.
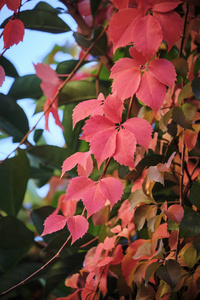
(15, 241)
(170, 272)
(138, 197)
(196, 87)
(181, 66)
(75, 91)
(42, 17)
(8, 67)
(67, 66)
(27, 86)
(190, 257)
(71, 136)
(52, 155)
(184, 115)
(13, 120)
(38, 217)
(194, 194)
(186, 92)
(94, 5)
(37, 134)
(63, 269)
(14, 175)
(190, 225)
(151, 269)
(100, 47)
(16, 275)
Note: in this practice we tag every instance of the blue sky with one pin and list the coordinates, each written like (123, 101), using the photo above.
(35, 46)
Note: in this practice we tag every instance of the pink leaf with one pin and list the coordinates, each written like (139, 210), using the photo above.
(161, 232)
(113, 108)
(88, 108)
(151, 91)
(147, 35)
(164, 5)
(112, 189)
(50, 80)
(121, 3)
(87, 190)
(77, 226)
(52, 108)
(168, 22)
(13, 4)
(141, 129)
(124, 21)
(13, 33)
(125, 148)
(2, 75)
(54, 223)
(163, 70)
(175, 213)
(127, 77)
(101, 134)
(84, 161)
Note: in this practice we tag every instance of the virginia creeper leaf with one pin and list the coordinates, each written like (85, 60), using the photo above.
(13, 33)
(175, 213)
(77, 226)
(2, 75)
(88, 108)
(196, 87)
(170, 272)
(184, 115)
(13, 5)
(84, 161)
(54, 223)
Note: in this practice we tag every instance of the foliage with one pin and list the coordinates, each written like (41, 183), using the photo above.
(121, 219)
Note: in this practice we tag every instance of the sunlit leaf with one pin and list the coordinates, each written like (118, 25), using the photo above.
(184, 115)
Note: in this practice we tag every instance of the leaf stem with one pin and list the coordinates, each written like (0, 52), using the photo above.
(184, 30)
(58, 91)
(42, 268)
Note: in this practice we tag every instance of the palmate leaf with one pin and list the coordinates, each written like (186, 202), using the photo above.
(94, 194)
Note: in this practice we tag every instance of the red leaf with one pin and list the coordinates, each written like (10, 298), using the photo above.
(163, 70)
(121, 3)
(175, 213)
(50, 80)
(161, 232)
(52, 108)
(127, 77)
(168, 22)
(124, 21)
(94, 194)
(84, 161)
(2, 3)
(125, 148)
(68, 207)
(101, 134)
(111, 188)
(113, 108)
(54, 223)
(13, 4)
(13, 33)
(141, 129)
(2, 75)
(77, 226)
(147, 35)
(164, 5)
(88, 108)
(151, 91)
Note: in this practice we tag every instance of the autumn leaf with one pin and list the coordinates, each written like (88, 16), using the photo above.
(146, 79)
(2, 75)
(77, 226)
(146, 31)
(107, 137)
(94, 194)
(13, 4)
(13, 33)
(50, 84)
(84, 161)
(175, 213)
(54, 223)
(88, 108)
